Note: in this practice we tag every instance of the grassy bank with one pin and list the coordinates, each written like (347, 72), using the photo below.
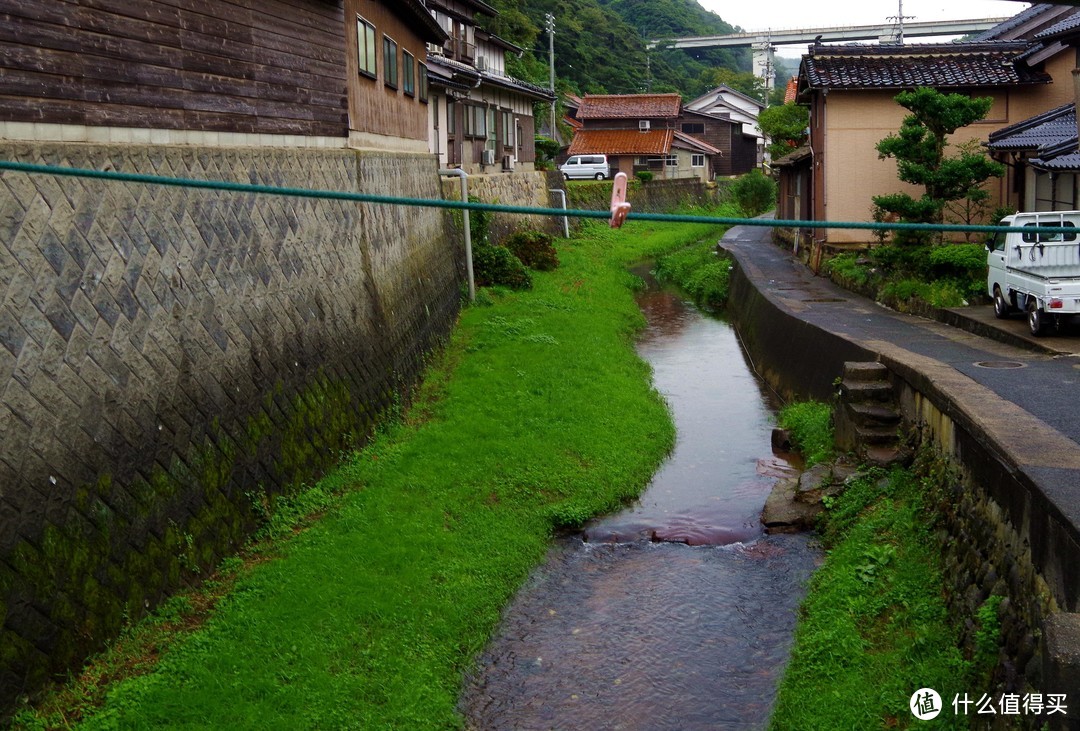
(700, 271)
(873, 628)
(538, 415)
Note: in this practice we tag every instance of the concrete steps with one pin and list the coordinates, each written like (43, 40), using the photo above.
(868, 421)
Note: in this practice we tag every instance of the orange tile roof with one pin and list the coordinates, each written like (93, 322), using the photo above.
(623, 106)
(791, 90)
(621, 142)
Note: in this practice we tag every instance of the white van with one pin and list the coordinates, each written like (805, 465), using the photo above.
(1036, 273)
(580, 167)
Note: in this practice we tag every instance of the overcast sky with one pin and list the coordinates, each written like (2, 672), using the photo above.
(754, 15)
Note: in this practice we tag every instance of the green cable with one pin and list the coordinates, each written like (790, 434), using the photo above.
(498, 208)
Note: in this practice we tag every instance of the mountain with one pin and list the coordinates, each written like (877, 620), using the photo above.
(600, 45)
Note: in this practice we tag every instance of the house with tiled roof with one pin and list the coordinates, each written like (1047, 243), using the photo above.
(723, 102)
(850, 91)
(1044, 148)
(1024, 63)
(653, 132)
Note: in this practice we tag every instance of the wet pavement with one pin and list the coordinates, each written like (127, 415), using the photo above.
(1044, 375)
(676, 613)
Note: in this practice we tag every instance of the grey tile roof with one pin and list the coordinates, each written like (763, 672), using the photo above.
(1051, 136)
(1039, 133)
(1061, 163)
(1003, 28)
(903, 67)
(1062, 27)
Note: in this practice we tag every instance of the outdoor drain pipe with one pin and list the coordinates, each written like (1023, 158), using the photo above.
(565, 220)
(468, 233)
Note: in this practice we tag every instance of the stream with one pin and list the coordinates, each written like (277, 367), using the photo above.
(677, 612)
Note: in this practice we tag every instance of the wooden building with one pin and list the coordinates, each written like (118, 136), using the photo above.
(481, 118)
(319, 73)
(387, 71)
(737, 151)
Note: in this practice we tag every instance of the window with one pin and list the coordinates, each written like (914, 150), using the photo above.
(673, 161)
(492, 130)
(508, 129)
(695, 128)
(1029, 238)
(408, 73)
(365, 37)
(423, 83)
(475, 121)
(451, 117)
(390, 65)
(697, 161)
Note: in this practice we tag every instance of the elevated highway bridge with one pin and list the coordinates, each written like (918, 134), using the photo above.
(764, 43)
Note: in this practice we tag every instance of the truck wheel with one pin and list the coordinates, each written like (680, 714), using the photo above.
(600, 176)
(1035, 318)
(1001, 305)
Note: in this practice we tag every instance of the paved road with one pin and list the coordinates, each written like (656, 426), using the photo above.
(1045, 382)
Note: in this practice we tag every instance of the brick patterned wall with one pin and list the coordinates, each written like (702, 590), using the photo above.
(171, 359)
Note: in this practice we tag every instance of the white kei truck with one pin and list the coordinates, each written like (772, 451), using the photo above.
(1036, 273)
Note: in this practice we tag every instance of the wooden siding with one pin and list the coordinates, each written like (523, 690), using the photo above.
(262, 66)
(375, 107)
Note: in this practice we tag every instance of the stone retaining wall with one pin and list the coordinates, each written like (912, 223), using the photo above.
(530, 189)
(173, 359)
(999, 533)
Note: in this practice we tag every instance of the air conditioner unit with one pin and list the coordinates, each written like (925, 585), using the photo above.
(644, 125)
(488, 158)
(481, 63)
(508, 162)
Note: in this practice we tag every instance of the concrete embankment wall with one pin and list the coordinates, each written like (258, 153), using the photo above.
(1001, 531)
(173, 359)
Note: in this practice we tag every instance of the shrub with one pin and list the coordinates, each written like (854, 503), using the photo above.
(497, 265)
(959, 260)
(700, 272)
(534, 249)
(754, 193)
(643, 175)
(546, 147)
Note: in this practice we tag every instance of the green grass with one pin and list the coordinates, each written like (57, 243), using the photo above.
(873, 627)
(699, 270)
(810, 425)
(538, 415)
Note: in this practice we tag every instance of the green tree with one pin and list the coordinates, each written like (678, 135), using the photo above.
(785, 126)
(920, 153)
(754, 193)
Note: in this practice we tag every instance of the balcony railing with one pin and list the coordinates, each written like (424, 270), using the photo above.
(460, 50)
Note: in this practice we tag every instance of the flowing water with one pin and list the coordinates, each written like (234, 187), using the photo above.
(676, 613)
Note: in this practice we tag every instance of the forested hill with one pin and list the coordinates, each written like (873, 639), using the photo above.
(600, 45)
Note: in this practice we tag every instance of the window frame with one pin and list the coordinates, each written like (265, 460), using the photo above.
(694, 157)
(672, 161)
(422, 82)
(390, 62)
(508, 137)
(366, 48)
(408, 73)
